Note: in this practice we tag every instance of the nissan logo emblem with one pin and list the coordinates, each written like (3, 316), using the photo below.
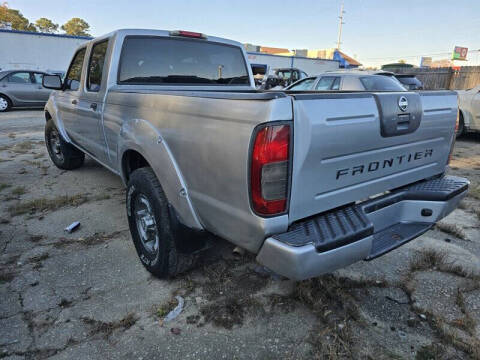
(403, 103)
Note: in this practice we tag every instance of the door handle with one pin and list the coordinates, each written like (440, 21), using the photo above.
(74, 102)
(93, 106)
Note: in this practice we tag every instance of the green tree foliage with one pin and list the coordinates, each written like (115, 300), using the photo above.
(15, 17)
(76, 26)
(46, 25)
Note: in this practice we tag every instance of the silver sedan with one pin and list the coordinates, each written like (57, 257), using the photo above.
(22, 88)
(349, 81)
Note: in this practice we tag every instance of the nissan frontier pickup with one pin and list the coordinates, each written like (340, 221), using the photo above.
(308, 181)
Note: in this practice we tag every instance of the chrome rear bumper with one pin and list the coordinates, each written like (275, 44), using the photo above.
(338, 238)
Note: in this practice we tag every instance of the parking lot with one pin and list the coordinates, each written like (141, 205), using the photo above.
(86, 295)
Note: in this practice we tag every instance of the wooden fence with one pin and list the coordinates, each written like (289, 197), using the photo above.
(445, 78)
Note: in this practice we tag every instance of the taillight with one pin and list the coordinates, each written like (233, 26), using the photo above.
(270, 168)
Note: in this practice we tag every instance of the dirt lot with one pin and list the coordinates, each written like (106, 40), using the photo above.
(86, 295)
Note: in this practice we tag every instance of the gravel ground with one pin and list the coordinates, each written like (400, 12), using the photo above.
(85, 295)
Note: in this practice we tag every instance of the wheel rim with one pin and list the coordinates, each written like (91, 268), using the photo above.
(54, 142)
(3, 104)
(146, 224)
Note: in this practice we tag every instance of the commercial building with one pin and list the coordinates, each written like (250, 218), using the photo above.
(37, 51)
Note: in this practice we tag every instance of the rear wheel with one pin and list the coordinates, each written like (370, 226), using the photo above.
(153, 228)
(64, 155)
(5, 103)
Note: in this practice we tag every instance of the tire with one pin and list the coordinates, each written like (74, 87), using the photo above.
(64, 155)
(153, 227)
(5, 103)
(461, 127)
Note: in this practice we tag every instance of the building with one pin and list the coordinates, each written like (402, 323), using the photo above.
(37, 51)
(334, 54)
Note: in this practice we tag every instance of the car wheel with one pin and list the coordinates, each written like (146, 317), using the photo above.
(461, 127)
(5, 103)
(152, 227)
(64, 155)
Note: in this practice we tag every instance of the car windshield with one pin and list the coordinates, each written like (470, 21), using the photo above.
(380, 83)
(306, 84)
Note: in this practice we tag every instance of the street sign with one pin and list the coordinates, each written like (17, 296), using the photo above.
(460, 53)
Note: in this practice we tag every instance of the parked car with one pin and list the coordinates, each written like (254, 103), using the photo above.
(22, 88)
(284, 175)
(348, 81)
(289, 75)
(409, 81)
(469, 104)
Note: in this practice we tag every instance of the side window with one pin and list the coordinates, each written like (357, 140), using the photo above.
(95, 66)
(325, 83)
(38, 78)
(305, 84)
(336, 84)
(72, 80)
(303, 75)
(20, 78)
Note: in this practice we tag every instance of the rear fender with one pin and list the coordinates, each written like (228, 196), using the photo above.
(141, 136)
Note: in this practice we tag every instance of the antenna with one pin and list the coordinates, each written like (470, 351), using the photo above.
(340, 23)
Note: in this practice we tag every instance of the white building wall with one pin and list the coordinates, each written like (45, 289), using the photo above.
(310, 66)
(19, 50)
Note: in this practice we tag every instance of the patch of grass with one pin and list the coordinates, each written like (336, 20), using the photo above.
(430, 258)
(99, 197)
(474, 191)
(430, 352)
(44, 204)
(463, 205)
(6, 276)
(451, 229)
(95, 239)
(107, 328)
(38, 156)
(12, 135)
(4, 186)
(18, 190)
(23, 147)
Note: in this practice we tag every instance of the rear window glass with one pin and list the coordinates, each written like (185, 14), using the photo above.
(380, 83)
(165, 61)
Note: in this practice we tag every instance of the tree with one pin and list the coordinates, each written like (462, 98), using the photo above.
(46, 25)
(15, 17)
(76, 26)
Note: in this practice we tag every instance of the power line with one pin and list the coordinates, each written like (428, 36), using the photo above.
(415, 56)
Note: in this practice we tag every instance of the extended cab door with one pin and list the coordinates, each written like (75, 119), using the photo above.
(90, 104)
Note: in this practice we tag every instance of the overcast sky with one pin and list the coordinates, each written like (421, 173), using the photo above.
(375, 31)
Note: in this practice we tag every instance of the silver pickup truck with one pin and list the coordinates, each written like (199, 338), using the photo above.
(308, 181)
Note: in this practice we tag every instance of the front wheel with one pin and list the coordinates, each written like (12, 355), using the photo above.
(64, 155)
(151, 226)
(5, 103)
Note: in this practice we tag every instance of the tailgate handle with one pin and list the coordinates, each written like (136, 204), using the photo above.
(403, 122)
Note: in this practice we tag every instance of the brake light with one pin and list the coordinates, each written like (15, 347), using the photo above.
(189, 34)
(270, 169)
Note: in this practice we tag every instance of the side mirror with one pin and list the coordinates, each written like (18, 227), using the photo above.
(52, 82)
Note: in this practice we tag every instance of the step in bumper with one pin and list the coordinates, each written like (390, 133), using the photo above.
(332, 240)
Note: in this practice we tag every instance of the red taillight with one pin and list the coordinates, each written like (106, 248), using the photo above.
(270, 169)
(190, 34)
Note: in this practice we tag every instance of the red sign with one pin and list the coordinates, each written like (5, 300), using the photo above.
(460, 53)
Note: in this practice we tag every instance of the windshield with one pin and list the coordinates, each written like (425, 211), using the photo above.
(163, 61)
(380, 83)
(306, 84)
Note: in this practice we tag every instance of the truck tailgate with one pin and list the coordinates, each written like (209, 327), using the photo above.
(349, 146)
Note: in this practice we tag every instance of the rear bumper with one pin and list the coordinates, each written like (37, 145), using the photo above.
(338, 238)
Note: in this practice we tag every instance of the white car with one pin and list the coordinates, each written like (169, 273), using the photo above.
(469, 104)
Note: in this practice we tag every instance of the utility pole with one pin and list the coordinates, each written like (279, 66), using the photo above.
(340, 23)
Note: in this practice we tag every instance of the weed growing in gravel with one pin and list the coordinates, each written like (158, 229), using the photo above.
(474, 191)
(430, 258)
(4, 186)
(107, 328)
(451, 229)
(19, 190)
(43, 204)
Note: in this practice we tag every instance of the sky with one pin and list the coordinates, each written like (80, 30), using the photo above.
(375, 31)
